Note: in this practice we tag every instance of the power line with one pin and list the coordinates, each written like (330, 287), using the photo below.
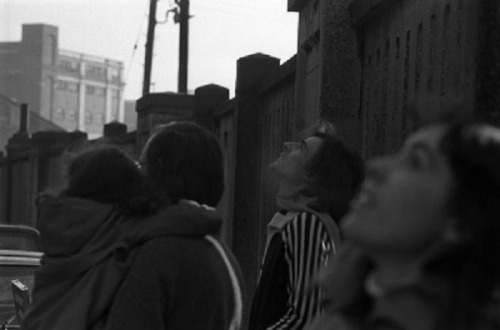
(145, 15)
(235, 13)
(233, 4)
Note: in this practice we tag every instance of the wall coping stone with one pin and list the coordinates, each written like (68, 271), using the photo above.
(296, 5)
(173, 100)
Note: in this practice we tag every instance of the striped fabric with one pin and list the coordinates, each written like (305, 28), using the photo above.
(307, 244)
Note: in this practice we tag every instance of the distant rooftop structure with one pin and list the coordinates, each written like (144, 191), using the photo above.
(75, 91)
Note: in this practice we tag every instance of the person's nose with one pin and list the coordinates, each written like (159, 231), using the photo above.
(377, 168)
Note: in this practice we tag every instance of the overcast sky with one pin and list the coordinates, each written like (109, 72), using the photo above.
(220, 32)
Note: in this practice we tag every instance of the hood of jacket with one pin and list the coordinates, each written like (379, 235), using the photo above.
(68, 224)
(186, 218)
(76, 234)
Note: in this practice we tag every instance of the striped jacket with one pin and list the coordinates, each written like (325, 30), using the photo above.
(299, 245)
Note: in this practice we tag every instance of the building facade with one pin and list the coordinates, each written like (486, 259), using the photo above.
(76, 91)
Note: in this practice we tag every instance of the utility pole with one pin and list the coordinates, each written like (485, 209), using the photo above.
(183, 44)
(149, 47)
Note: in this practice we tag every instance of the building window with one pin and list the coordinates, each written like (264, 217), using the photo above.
(99, 91)
(95, 71)
(66, 85)
(72, 86)
(99, 119)
(59, 114)
(114, 74)
(94, 90)
(71, 115)
(69, 65)
(115, 94)
(88, 118)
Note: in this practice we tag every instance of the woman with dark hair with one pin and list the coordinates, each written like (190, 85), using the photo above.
(187, 280)
(184, 161)
(423, 248)
(80, 232)
(317, 178)
(109, 176)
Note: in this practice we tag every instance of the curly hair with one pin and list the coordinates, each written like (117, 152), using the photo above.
(335, 174)
(473, 153)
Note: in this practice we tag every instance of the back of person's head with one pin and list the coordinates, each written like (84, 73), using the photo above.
(107, 175)
(335, 174)
(184, 161)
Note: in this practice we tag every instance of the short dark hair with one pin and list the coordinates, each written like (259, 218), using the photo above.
(108, 175)
(335, 173)
(184, 161)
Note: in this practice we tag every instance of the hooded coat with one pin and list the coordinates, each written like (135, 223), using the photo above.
(89, 249)
(180, 282)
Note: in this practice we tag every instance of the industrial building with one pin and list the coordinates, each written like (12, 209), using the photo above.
(75, 91)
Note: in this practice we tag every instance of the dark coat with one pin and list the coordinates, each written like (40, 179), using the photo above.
(180, 282)
(423, 305)
(89, 248)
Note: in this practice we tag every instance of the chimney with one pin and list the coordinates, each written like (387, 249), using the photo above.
(24, 125)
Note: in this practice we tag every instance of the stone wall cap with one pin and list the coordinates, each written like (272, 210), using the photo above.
(211, 87)
(258, 56)
(286, 70)
(296, 5)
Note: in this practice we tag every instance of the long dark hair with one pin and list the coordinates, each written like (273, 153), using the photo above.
(108, 175)
(335, 173)
(184, 161)
(473, 153)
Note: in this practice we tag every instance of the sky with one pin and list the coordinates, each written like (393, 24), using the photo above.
(220, 32)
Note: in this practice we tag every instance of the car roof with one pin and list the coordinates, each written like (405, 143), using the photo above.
(12, 228)
(9, 233)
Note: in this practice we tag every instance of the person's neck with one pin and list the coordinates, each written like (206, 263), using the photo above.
(394, 272)
(290, 190)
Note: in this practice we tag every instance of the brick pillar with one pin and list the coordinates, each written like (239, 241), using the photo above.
(246, 186)
(207, 98)
(114, 129)
(51, 153)
(161, 108)
(3, 188)
(20, 177)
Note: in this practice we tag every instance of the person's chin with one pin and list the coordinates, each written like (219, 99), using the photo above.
(275, 166)
(351, 223)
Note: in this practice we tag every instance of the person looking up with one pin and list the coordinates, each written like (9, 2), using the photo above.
(422, 248)
(317, 177)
